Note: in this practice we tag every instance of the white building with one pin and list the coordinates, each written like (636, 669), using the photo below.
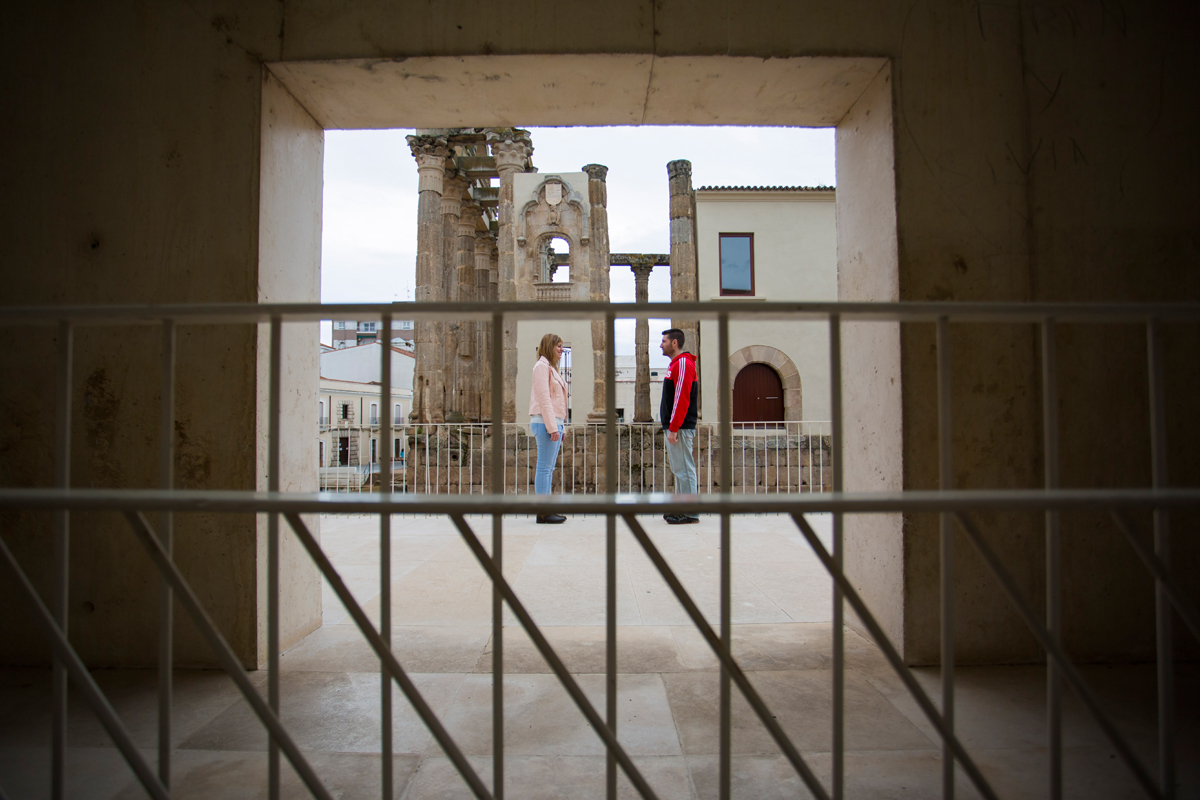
(363, 364)
(767, 243)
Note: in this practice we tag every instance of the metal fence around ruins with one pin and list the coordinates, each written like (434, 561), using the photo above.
(955, 507)
(785, 457)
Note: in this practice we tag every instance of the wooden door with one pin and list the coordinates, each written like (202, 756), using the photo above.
(757, 395)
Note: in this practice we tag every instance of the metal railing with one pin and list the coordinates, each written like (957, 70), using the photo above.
(955, 507)
(453, 458)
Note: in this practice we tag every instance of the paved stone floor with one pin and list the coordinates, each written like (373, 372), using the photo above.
(668, 685)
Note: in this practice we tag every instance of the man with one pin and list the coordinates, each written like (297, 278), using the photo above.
(678, 414)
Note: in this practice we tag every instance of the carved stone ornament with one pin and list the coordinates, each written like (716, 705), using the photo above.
(554, 193)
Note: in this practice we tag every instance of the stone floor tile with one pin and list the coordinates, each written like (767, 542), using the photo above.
(802, 589)
(552, 778)
(92, 772)
(332, 711)
(571, 595)
(419, 648)
(199, 696)
(640, 649)
(701, 578)
(209, 774)
(751, 778)
(773, 646)
(800, 700)
(440, 593)
(541, 718)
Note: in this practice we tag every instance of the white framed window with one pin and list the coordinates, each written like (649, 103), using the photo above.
(367, 327)
(322, 417)
(320, 452)
(340, 325)
(374, 451)
(397, 414)
(374, 414)
(397, 449)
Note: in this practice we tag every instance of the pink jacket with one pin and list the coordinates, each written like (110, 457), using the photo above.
(549, 395)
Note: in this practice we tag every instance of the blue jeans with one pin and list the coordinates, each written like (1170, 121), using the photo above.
(543, 476)
(683, 462)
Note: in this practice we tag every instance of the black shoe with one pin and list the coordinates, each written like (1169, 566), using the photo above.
(669, 517)
(550, 519)
(681, 519)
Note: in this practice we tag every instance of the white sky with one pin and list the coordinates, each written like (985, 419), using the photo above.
(368, 241)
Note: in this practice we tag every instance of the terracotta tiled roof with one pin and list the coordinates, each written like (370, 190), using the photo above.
(765, 189)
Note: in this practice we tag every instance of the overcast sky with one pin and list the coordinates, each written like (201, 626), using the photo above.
(368, 241)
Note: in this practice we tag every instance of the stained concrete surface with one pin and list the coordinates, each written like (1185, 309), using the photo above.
(667, 694)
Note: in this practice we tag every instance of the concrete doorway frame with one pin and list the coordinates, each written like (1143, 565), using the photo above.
(852, 94)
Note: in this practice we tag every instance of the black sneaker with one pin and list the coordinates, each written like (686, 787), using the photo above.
(550, 519)
(670, 517)
(682, 519)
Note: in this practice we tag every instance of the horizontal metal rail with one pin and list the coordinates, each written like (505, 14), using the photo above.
(844, 502)
(226, 313)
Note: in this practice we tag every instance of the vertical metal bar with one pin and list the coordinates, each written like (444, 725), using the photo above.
(62, 553)
(166, 535)
(273, 553)
(610, 479)
(839, 674)
(1053, 556)
(385, 560)
(1162, 548)
(497, 545)
(725, 412)
(946, 523)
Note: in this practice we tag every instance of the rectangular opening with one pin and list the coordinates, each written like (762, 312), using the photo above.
(737, 264)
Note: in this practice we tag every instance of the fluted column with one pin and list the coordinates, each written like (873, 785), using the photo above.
(641, 398)
(430, 153)
(453, 188)
(598, 200)
(463, 405)
(511, 149)
(684, 278)
(482, 388)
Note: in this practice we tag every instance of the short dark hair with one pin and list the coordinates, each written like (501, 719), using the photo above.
(675, 335)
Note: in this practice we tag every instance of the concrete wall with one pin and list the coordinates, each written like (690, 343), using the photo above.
(289, 271)
(1039, 153)
(795, 258)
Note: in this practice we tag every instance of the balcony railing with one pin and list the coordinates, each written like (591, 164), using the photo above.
(961, 511)
(553, 292)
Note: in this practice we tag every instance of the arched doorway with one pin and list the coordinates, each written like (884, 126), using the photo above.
(757, 395)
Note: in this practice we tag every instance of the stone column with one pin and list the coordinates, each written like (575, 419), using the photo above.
(482, 388)
(453, 188)
(684, 278)
(430, 153)
(464, 403)
(598, 257)
(641, 402)
(511, 149)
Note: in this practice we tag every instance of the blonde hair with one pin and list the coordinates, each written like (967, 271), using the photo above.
(548, 349)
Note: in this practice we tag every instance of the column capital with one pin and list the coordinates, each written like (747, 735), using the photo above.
(454, 188)
(469, 218)
(641, 269)
(511, 149)
(679, 169)
(430, 153)
(596, 172)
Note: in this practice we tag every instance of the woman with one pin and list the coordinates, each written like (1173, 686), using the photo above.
(547, 417)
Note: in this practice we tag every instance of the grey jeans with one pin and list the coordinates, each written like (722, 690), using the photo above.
(683, 462)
